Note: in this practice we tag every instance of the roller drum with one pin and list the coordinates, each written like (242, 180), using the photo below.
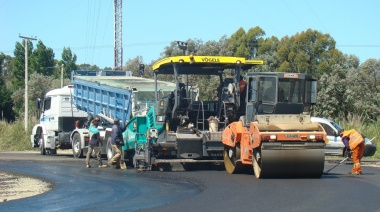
(289, 163)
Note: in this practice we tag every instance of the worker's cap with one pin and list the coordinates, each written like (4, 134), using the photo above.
(116, 120)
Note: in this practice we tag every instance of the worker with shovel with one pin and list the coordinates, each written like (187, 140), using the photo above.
(354, 143)
(93, 144)
(117, 143)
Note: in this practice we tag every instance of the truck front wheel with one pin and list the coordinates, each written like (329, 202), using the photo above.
(42, 144)
(109, 149)
(77, 147)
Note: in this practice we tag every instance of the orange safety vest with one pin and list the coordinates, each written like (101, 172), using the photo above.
(355, 138)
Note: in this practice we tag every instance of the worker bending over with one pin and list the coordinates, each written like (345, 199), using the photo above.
(354, 142)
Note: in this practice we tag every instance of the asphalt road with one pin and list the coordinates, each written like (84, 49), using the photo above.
(79, 189)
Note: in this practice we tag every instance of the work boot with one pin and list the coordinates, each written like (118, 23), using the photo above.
(102, 166)
(88, 166)
(354, 173)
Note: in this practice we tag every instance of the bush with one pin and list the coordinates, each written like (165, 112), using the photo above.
(13, 136)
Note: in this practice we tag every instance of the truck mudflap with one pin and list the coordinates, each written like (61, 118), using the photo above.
(285, 160)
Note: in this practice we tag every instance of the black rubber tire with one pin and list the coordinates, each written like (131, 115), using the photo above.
(188, 166)
(42, 145)
(232, 165)
(53, 151)
(128, 158)
(76, 146)
(109, 151)
(256, 162)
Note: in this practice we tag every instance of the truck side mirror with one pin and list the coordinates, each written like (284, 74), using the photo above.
(38, 103)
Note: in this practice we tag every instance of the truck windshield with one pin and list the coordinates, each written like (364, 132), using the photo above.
(47, 103)
(149, 95)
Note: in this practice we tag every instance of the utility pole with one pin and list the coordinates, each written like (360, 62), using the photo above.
(62, 75)
(26, 39)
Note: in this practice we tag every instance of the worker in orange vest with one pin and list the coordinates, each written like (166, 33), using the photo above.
(354, 143)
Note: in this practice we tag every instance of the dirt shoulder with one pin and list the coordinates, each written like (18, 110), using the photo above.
(15, 186)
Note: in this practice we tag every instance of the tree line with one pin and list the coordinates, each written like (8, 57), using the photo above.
(346, 86)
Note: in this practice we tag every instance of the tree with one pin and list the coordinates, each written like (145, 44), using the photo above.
(5, 102)
(68, 59)
(18, 79)
(107, 68)
(363, 90)
(86, 66)
(349, 91)
(242, 44)
(268, 51)
(42, 60)
(6, 64)
(134, 66)
(38, 86)
(309, 52)
(332, 100)
(5, 88)
(236, 44)
(210, 48)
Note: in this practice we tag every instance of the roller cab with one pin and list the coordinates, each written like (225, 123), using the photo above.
(275, 137)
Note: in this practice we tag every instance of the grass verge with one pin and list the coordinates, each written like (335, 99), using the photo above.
(14, 137)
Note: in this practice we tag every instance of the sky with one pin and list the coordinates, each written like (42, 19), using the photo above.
(87, 26)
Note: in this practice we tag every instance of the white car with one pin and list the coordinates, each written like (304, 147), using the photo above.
(335, 145)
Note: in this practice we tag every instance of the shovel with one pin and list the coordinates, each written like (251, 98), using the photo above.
(326, 172)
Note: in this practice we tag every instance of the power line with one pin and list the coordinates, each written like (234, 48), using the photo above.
(96, 28)
(166, 42)
(320, 22)
(294, 14)
(105, 28)
(359, 45)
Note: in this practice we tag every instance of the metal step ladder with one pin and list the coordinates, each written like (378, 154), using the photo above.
(202, 120)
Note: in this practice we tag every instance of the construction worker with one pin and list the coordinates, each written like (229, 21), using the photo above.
(117, 142)
(242, 84)
(354, 142)
(243, 94)
(93, 144)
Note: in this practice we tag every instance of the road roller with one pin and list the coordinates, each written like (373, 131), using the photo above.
(274, 135)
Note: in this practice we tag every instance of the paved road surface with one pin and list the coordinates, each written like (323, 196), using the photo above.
(80, 189)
